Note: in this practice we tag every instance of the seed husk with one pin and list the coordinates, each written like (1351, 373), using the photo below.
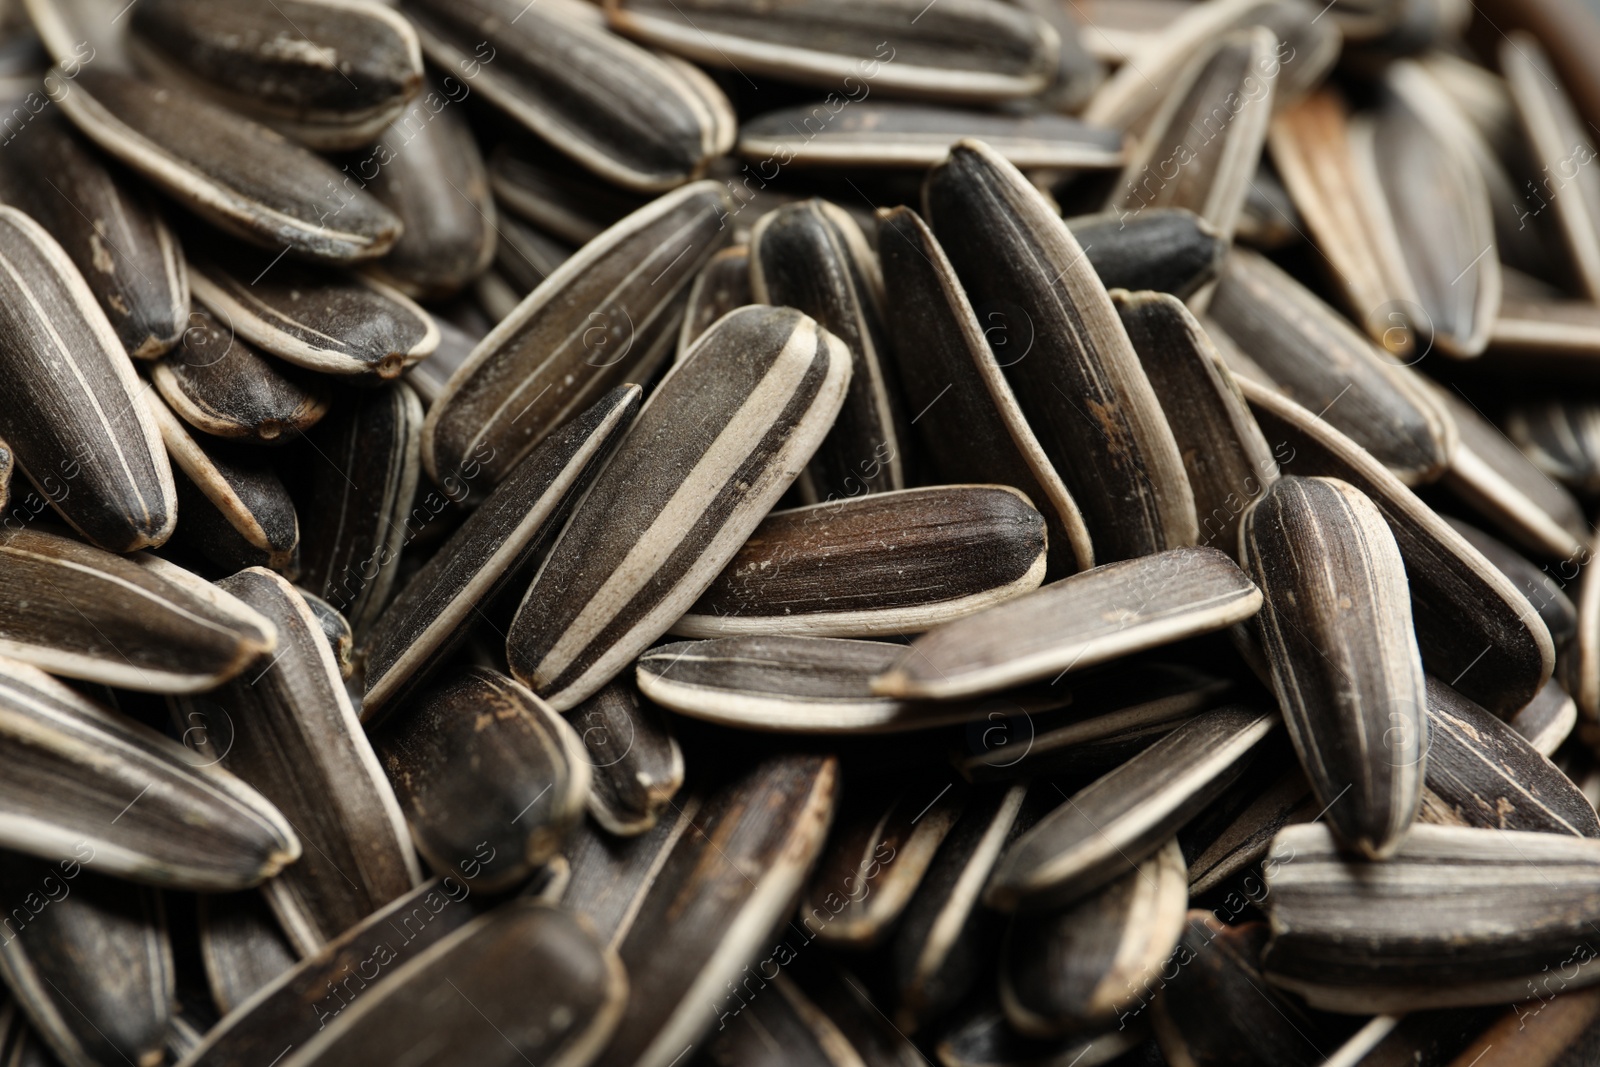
(640, 120)
(722, 285)
(238, 175)
(1164, 249)
(559, 198)
(611, 875)
(479, 763)
(813, 257)
(1076, 971)
(1475, 629)
(1114, 610)
(1320, 362)
(891, 134)
(524, 256)
(1345, 665)
(1227, 459)
(242, 947)
(969, 425)
(720, 440)
(886, 563)
(316, 317)
(1546, 595)
(636, 766)
(1373, 937)
(219, 384)
(335, 630)
(76, 423)
(596, 322)
(296, 738)
(1248, 837)
(1548, 718)
(135, 622)
(113, 235)
(1562, 439)
(982, 1037)
(503, 539)
(971, 50)
(1110, 444)
(716, 898)
(363, 478)
(121, 1009)
(1125, 815)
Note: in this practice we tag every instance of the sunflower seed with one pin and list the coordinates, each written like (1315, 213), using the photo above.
(718, 443)
(76, 423)
(295, 737)
(1114, 445)
(242, 947)
(722, 285)
(606, 315)
(1562, 439)
(639, 120)
(230, 838)
(173, 632)
(222, 386)
(1090, 618)
(981, 1037)
(121, 1009)
(116, 238)
(1165, 249)
(718, 895)
(363, 478)
(316, 317)
(1354, 937)
(1076, 971)
(813, 257)
(636, 766)
(975, 50)
(1548, 718)
(240, 176)
(1475, 629)
(1246, 839)
(524, 256)
(887, 563)
(471, 762)
(1124, 816)
(501, 541)
(335, 629)
(1560, 615)
(942, 353)
(559, 198)
(612, 875)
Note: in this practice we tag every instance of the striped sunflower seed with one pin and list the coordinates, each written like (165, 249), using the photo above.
(1082, 390)
(1560, 615)
(611, 875)
(1246, 839)
(524, 256)
(720, 440)
(1547, 720)
(722, 285)
(1090, 618)
(295, 737)
(887, 563)
(140, 804)
(479, 763)
(605, 316)
(351, 67)
(813, 257)
(83, 438)
(558, 197)
(1164, 249)
(942, 354)
(636, 766)
(1345, 665)
(428, 377)
(241, 946)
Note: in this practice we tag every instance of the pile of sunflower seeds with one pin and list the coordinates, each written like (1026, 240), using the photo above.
(820, 533)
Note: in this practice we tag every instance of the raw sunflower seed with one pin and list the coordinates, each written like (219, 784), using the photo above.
(503, 539)
(1356, 937)
(813, 257)
(136, 622)
(1099, 615)
(79, 430)
(1548, 718)
(638, 119)
(1164, 249)
(919, 135)
(321, 319)
(1076, 971)
(611, 875)
(480, 763)
(58, 913)
(1546, 595)
(222, 386)
(335, 629)
(606, 316)
(1336, 625)
(1562, 438)
(295, 737)
(974, 50)
(970, 426)
(886, 563)
(242, 947)
(128, 257)
(559, 198)
(1075, 374)
(720, 440)
(1126, 815)
(722, 285)
(636, 766)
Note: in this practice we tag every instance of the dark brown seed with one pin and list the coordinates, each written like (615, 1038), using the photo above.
(636, 767)
(487, 775)
(1164, 249)
(721, 439)
(1546, 595)
(1066, 354)
(722, 285)
(242, 947)
(611, 875)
